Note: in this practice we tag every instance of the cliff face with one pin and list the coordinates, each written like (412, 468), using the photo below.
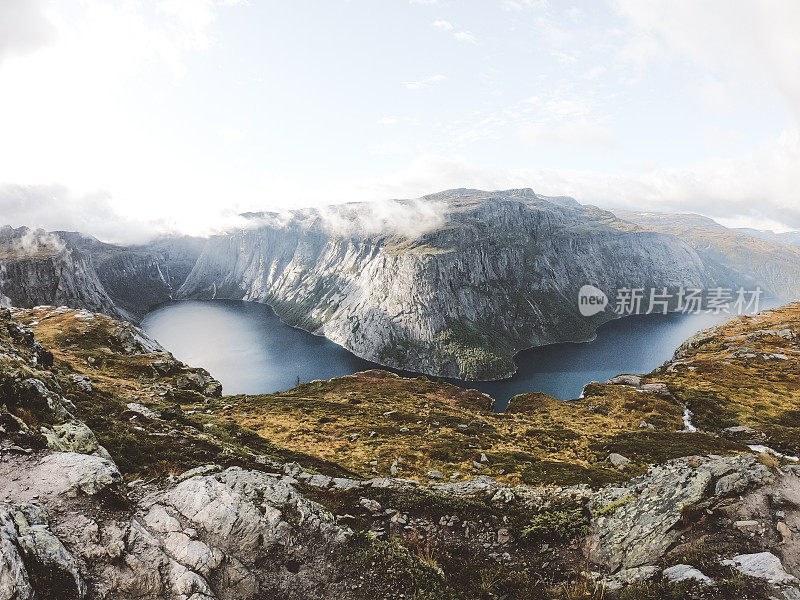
(756, 259)
(71, 269)
(499, 273)
(39, 268)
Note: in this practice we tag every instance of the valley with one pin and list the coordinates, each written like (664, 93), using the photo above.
(379, 486)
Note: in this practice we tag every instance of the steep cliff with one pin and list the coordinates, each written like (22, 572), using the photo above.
(758, 260)
(67, 268)
(40, 268)
(495, 272)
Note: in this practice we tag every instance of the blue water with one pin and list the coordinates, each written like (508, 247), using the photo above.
(250, 351)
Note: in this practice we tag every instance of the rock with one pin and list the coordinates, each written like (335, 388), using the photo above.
(66, 474)
(143, 410)
(783, 529)
(81, 382)
(680, 573)
(74, 436)
(503, 496)
(370, 505)
(317, 480)
(478, 465)
(394, 469)
(762, 565)
(628, 576)
(632, 380)
(343, 483)
(484, 459)
(503, 536)
(640, 530)
(780, 499)
(47, 563)
(656, 388)
(434, 474)
(618, 461)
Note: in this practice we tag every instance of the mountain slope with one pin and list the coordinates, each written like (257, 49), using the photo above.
(492, 273)
(124, 475)
(67, 268)
(729, 253)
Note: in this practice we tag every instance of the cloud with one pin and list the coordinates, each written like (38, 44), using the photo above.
(573, 133)
(445, 25)
(230, 135)
(755, 37)
(415, 85)
(465, 36)
(54, 207)
(520, 4)
(35, 241)
(388, 121)
(754, 190)
(408, 218)
(24, 28)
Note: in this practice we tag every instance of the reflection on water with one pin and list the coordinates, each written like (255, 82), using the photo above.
(248, 348)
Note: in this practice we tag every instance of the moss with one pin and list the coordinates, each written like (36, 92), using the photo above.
(557, 525)
(611, 507)
(390, 571)
(566, 474)
(661, 446)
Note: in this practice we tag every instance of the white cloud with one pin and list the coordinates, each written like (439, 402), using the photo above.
(415, 85)
(573, 133)
(465, 36)
(230, 135)
(24, 27)
(445, 25)
(388, 121)
(755, 37)
(520, 4)
(54, 207)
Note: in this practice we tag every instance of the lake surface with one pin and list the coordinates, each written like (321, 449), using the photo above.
(250, 351)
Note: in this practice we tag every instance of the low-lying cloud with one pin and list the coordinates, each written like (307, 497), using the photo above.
(55, 207)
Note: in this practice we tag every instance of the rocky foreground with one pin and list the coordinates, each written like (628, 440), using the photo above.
(126, 474)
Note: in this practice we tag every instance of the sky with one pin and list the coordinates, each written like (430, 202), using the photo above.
(120, 117)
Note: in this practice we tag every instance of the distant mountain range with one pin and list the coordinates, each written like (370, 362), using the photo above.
(789, 238)
(452, 284)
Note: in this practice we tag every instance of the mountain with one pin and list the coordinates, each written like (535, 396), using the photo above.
(789, 238)
(454, 284)
(68, 268)
(125, 474)
(730, 253)
(451, 284)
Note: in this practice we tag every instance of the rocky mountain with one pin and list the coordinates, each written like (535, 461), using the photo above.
(789, 238)
(452, 284)
(728, 253)
(124, 474)
(72, 269)
(456, 283)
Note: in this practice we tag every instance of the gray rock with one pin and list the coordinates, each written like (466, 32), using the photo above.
(25, 527)
(370, 505)
(761, 565)
(143, 410)
(632, 380)
(434, 474)
(679, 573)
(618, 461)
(640, 530)
(74, 436)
